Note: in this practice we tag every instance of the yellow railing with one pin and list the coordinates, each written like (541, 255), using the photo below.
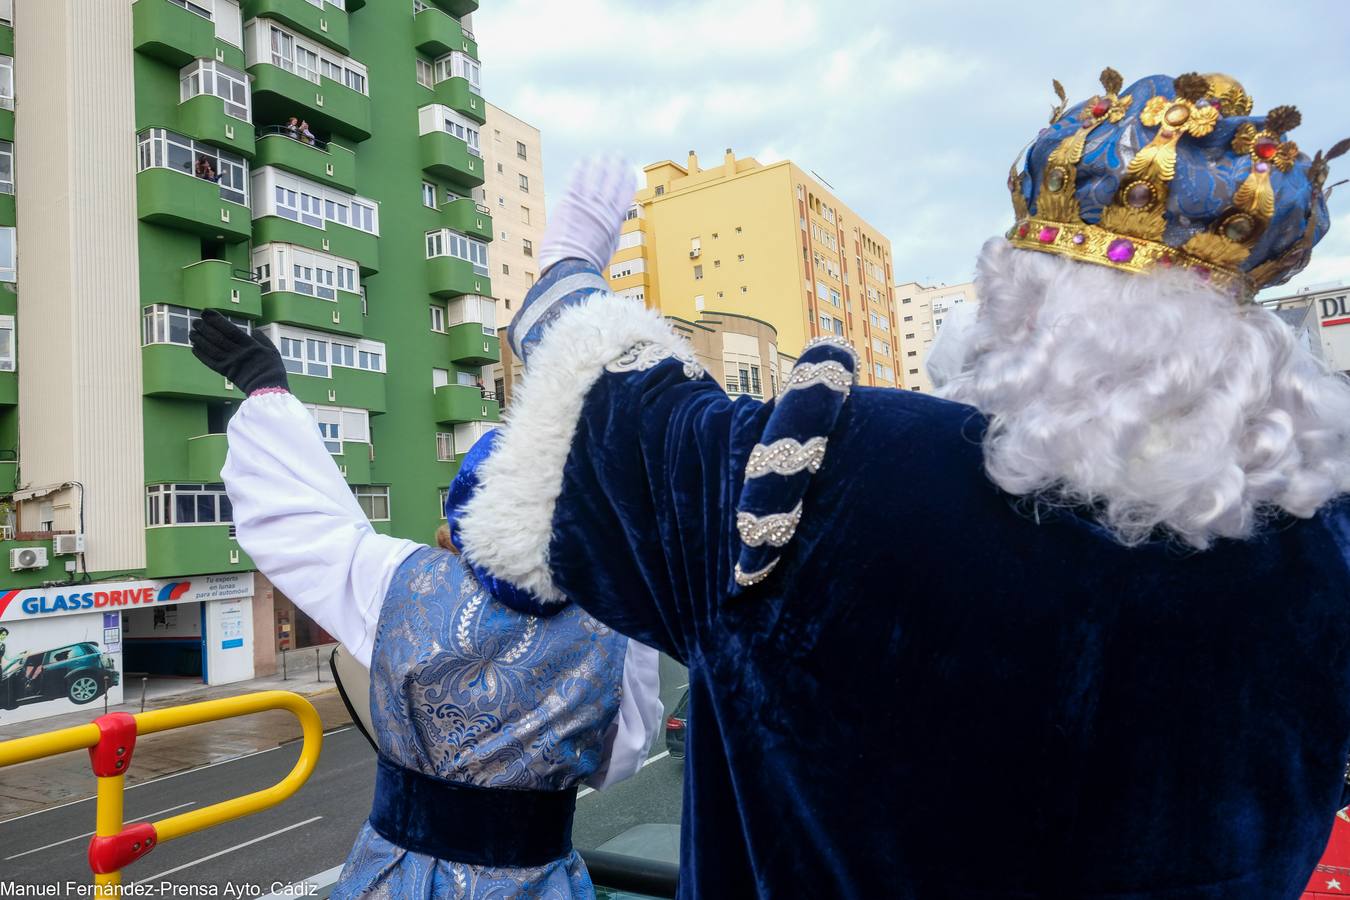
(110, 740)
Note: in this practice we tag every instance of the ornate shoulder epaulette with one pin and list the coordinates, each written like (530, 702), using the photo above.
(791, 450)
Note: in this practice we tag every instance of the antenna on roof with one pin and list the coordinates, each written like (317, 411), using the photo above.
(822, 180)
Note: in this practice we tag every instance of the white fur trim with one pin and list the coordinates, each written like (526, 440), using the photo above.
(508, 524)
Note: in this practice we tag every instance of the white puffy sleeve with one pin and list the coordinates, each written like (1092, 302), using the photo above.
(296, 517)
(630, 735)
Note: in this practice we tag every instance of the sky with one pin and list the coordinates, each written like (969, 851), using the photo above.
(912, 111)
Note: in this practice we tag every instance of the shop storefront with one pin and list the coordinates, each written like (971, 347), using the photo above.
(63, 648)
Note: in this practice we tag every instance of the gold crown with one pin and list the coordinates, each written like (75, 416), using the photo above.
(1129, 235)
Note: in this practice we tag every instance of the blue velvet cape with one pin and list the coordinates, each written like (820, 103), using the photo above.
(935, 694)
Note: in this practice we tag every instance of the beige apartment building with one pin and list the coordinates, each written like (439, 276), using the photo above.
(513, 154)
(921, 310)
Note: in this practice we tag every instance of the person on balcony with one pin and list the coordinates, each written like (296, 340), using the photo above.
(292, 128)
(306, 136)
(1098, 597)
(205, 170)
(488, 717)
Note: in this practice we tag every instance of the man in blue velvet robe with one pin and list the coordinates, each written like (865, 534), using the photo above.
(1082, 634)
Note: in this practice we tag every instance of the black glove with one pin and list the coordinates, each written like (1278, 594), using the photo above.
(249, 361)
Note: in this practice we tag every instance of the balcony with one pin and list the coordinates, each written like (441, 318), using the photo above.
(172, 34)
(448, 276)
(456, 94)
(170, 370)
(348, 387)
(326, 163)
(328, 25)
(172, 551)
(203, 117)
(436, 34)
(339, 240)
(456, 403)
(215, 284)
(446, 156)
(341, 317)
(469, 346)
(328, 106)
(205, 457)
(354, 463)
(467, 217)
(457, 8)
(9, 389)
(179, 200)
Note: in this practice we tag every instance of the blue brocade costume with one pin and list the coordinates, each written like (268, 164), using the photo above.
(927, 693)
(468, 690)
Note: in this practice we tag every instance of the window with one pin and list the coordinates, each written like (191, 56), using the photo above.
(525, 183)
(912, 353)
(521, 151)
(740, 258)
(429, 194)
(909, 336)
(373, 500)
(309, 203)
(159, 148)
(445, 446)
(501, 169)
(439, 378)
(473, 308)
(506, 269)
(7, 12)
(527, 246)
(698, 273)
(6, 82)
(529, 278)
(438, 318)
(315, 353)
(270, 43)
(6, 343)
(738, 229)
(187, 504)
(438, 117)
(451, 243)
(525, 215)
(744, 289)
(7, 254)
(884, 372)
(424, 76)
(286, 267)
(909, 318)
(660, 189)
(880, 347)
(208, 77)
(166, 324)
(457, 64)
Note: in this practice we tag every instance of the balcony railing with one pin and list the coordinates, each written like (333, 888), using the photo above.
(288, 132)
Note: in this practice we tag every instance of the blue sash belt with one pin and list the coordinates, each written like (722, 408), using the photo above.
(468, 824)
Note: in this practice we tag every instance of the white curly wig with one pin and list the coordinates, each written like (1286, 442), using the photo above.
(1153, 400)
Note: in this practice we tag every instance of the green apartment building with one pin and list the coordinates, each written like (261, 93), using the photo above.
(310, 168)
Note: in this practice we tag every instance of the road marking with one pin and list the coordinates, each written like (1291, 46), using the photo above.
(310, 886)
(132, 787)
(147, 816)
(645, 763)
(255, 840)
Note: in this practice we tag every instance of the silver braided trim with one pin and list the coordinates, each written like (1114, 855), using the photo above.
(786, 456)
(746, 579)
(829, 373)
(646, 355)
(774, 529)
(833, 340)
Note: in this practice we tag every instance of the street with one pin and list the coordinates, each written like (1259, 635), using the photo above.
(310, 833)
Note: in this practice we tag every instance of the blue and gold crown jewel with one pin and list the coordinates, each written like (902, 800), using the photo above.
(1174, 172)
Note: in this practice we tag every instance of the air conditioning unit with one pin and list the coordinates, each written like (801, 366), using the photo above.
(67, 544)
(27, 558)
(695, 254)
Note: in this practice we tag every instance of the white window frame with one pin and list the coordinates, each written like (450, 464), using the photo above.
(9, 254)
(425, 73)
(457, 64)
(210, 78)
(159, 321)
(6, 82)
(428, 195)
(445, 447)
(317, 353)
(8, 361)
(472, 308)
(444, 242)
(161, 507)
(153, 152)
(310, 203)
(437, 318)
(300, 270)
(272, 43)
(438, 117)
(369, 497)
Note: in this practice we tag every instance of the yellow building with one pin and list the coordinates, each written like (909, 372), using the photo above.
(765, 242)
(922, 310)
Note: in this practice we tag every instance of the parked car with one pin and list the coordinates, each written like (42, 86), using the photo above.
(78, 672)
(675, 727)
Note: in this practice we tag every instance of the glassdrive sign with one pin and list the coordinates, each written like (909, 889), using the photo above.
(1335, 310)
(21, 604)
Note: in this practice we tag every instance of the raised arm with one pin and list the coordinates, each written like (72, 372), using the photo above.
(617, 456)
(293, 512)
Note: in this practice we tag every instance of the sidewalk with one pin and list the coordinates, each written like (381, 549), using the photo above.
(43, 783)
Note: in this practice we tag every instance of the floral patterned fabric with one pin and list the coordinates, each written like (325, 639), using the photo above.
(465, 689)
